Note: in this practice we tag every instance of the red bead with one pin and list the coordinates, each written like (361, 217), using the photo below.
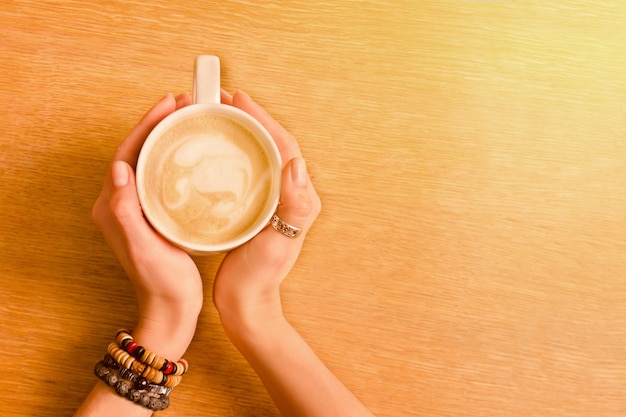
(132, 346)
(169, 368)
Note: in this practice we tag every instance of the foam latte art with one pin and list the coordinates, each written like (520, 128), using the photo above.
(211, 183)
(211, 169)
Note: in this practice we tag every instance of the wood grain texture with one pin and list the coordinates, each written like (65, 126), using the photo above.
(470, 156)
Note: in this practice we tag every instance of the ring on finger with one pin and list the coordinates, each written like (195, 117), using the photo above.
(284, 227)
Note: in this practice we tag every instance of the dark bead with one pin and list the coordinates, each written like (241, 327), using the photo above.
(138, 353)
(134, 395)
(101, 370)
(109, 361)
(154, 404)
(122, 388)
(141, 383)
(159, 389)
(111, 379)
(174, 368)
(165, 365)
(126, 374)
(125, 343)
(144, 400)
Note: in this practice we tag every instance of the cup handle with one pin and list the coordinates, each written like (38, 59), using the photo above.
(206, 79)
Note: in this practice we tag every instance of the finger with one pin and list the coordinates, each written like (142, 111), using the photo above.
(225, 97)
(128, 151)
(182, 100)
(297, 206)
(125, 207)
(270, 250)
(287, 144)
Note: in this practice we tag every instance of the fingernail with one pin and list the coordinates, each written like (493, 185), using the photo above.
(119, 174)
(298, 172)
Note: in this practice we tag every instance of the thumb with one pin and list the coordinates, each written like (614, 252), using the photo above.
(271, 254)
(296, 204)
(124, 203)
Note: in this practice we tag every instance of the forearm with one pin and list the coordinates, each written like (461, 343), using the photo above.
(296, 379)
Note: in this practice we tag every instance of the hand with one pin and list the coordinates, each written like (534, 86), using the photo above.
(248, 280)
(165, 278)
(246, 294)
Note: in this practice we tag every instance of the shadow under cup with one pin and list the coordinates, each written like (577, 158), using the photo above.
(209, 178)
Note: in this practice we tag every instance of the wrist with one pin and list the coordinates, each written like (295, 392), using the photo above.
(249, 325)
(171, 344)
(166, 330)
(245, 302)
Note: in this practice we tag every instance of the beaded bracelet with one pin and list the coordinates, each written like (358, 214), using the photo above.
(123, 388)
(140, 382)
(124, 359)
(126, 342)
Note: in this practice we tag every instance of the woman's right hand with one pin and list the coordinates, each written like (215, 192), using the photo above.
(166, 280)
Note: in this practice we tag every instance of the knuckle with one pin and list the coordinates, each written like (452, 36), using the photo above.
(303, 207)
(121, 210)
(278, 258)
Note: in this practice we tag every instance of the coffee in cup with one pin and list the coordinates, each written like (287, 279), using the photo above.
(208, 175)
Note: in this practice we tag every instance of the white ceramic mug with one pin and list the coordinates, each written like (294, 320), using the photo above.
(209, 174)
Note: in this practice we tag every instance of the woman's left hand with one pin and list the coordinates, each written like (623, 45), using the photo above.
(248, 281)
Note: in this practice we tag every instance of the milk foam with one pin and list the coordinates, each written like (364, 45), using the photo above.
(210, 165)
(211, 177)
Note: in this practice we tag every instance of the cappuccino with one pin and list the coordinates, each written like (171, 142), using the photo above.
(207, 180)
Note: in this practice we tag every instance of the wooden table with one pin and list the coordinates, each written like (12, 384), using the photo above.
(470, 258)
